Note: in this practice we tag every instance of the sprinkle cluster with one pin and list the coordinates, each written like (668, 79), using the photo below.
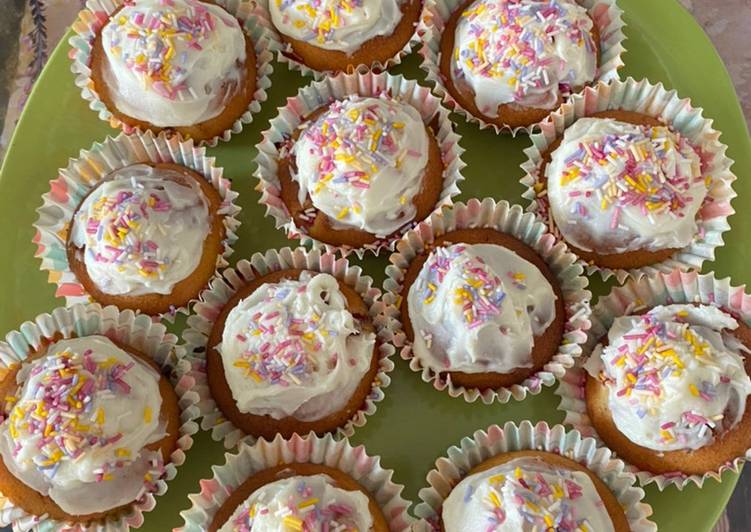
(633, 169)
(480, 293)
(155, 41)
(653, 353)
(512, 40)
(282, 346)
(545, 502)
(307, 515)
(318, 18)
(355, 139)
(117, 226)
(59, 412)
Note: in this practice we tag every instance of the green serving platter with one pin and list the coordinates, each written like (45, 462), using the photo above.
(415, 424)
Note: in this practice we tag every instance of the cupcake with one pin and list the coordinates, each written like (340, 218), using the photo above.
(632, 178)
(359, 170)
(88, 424)
(624, 189)
(667, 388)
(527, 477)
(138, 221)
(147, 237)
(302, 483)
(482, 305)
(510, 63)
(183, 66)
(339, 36)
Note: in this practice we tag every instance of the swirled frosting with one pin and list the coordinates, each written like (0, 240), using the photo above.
(675, 376)
(617, 187)
(312, 503)
(526, 494)
(341, 25)
(293, 349)
(477, 308)
(141, 231)
(362, 163)
(173, 63)
(526, 52)
(78, 424)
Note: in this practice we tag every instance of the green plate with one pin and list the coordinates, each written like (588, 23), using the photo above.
(415, 424)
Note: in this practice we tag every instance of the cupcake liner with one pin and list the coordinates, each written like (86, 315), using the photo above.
(658, 289)
(323, 92)
(221, 289)
(605, 13)
(451, 469)
(75, 181)
(285, 53)
(91, 20)
(654, 100)
(139, 332)
(325, 450)
(509, 219)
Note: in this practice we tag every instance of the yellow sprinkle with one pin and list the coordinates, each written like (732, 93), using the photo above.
(122, 452)
(147, 415)
(100, 417)
(309, 502)
(693, 389)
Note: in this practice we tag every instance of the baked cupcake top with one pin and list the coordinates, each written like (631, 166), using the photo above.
(293, 348)
(341, 25)
(525, 52)
(362, 162)
(311, 503)
(173, 63)
(675, 376)
(78, 424)
(526, 494)
(476, 308)
(141, 231)
(616, 187)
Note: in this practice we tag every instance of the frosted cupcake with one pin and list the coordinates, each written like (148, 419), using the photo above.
(624, 189)
(667, 389)
(87, 426)
(300, 496)
(147, 237)
(510, 63)
(340, 35)
(292, 351)
(360, 170)
(532, 490)
(482, 307)
(183, 66)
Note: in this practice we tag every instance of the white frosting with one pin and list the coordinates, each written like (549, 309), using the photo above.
(526, 495)
(85, 450)
(675, 376)
(341, 25)
(477, 308)
(313, 502)
(173, 63)
(616, 187)
(362, 163)
(526, 52)
(293, 349)
(140, 231)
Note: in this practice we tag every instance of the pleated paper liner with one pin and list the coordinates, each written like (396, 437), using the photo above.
(511, 220)
(326, 450)
(96, 15)
(606, 15)
(321, 93)
(653, 100)
(82, 174)
(285, 53)
(649, 291)
(139, 332)
(213, 299)
(451, 469)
